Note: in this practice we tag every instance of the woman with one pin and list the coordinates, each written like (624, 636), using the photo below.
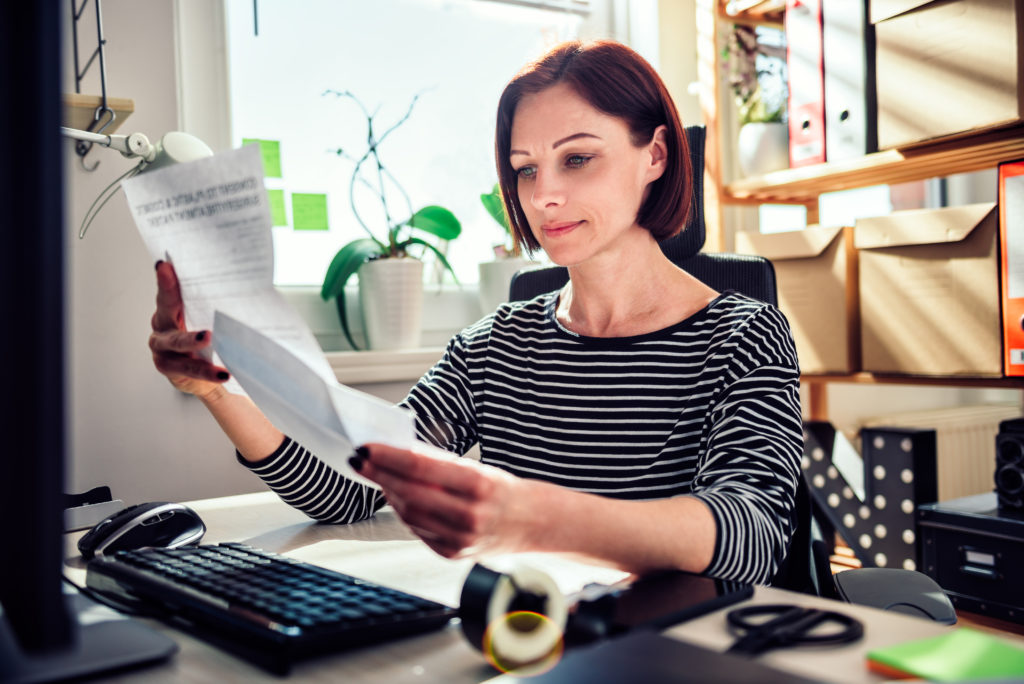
(635, 417)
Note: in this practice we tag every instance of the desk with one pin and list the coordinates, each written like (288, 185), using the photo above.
(384, 551)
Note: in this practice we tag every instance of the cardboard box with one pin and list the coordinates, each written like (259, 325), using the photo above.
(947, 67)
(880, 10)
(929, 292)
(816, 273)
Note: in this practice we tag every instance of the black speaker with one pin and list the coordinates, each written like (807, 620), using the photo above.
(1009, 475)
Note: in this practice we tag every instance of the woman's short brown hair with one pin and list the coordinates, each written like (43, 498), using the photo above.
(617, 81)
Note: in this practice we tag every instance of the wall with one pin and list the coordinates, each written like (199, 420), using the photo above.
(129, 428)
(677, 28)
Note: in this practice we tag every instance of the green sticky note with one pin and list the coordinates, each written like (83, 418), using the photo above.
(959, 655)
(270, 150)
(309, 211)
(278, 216)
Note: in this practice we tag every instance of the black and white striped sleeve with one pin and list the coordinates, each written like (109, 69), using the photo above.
(443, 407)
(749, 471)
(310, 485)
(443, 400)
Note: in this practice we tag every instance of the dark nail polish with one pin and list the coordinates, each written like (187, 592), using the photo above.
(200, 336)
(223, 375)
(363, 453)
(356, 462)
(157, 264)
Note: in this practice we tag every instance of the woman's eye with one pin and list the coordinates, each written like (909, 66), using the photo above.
(576, 161)
(526, 172)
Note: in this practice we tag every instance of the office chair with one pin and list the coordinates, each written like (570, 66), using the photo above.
(806, 568)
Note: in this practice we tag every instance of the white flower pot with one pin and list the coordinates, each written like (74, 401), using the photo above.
(495, 278)
(763, 147)
(391, 299)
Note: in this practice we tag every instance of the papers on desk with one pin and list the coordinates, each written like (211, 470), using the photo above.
(211, 220)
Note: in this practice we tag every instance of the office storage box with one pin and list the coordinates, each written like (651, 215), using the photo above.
(975, 554)
(946, 67)
(929, 292)
(816, 273)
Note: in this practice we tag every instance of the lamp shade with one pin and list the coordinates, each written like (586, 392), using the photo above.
(176, 147)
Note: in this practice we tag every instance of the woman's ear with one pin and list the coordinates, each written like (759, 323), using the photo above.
(658, 149)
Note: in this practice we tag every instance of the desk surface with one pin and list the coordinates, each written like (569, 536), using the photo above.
(384, 551)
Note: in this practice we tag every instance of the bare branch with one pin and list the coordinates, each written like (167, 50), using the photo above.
(373, 144)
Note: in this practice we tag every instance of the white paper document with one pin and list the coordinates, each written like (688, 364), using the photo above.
(326, 417)
(211, 220)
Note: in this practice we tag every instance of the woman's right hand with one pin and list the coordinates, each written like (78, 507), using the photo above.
(176, 350)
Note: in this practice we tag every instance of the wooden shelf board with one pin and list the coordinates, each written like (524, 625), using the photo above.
(975, 152)
(865, 378)
(79, 111)
(755, 12)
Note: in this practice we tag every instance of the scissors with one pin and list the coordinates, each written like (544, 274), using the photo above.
(788, 625)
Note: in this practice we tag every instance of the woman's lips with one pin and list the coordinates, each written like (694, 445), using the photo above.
(559, 228)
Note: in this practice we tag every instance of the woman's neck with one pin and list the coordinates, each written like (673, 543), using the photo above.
(633, 291)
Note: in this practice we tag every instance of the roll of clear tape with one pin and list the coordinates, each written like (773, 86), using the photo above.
(517, 619)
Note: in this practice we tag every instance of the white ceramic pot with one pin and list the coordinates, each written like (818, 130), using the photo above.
(495, 278)
(763, 147)
(391, 299)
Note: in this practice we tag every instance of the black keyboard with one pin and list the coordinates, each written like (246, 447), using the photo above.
(269, 609)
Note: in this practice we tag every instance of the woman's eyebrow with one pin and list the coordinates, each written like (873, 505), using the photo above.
(574, 136)
(562, 141)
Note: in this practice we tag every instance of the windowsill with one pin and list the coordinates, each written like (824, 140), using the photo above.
(363, 367)
(446, 310)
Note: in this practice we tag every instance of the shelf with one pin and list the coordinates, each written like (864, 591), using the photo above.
(79, 111)
(864, 378)
(756, 12)
(975, 152)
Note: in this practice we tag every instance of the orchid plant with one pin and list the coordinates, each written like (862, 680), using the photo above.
(401, 238)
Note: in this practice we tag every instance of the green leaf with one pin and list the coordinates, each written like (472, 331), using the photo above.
(343, 317)
(437, 221)
(344, 265)
(435, 250)
(496, 207)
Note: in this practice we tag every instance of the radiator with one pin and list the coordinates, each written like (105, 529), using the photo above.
(965, 443)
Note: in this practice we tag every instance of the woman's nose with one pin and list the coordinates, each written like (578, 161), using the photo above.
(548, 191)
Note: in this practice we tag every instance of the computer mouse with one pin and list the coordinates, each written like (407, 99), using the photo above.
(157, 523)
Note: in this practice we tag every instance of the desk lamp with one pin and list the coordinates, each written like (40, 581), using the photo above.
(174, 147)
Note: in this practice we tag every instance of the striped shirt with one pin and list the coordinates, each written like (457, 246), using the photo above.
(708, 407)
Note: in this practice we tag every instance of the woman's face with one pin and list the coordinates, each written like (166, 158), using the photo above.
(581, 179)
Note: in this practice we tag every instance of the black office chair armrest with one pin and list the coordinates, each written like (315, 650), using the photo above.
(901, 591)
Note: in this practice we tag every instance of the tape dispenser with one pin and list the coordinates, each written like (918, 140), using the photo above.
(518, 619)
(521, 621)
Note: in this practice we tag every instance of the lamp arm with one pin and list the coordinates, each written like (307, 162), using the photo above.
(134, 145)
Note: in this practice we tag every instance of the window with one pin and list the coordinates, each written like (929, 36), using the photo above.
(456, 54)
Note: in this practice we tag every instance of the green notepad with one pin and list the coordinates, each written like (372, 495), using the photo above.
(961, 655)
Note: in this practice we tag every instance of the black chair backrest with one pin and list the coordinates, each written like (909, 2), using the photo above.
(799, 570)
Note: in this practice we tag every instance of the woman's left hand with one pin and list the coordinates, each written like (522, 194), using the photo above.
(458, 506)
